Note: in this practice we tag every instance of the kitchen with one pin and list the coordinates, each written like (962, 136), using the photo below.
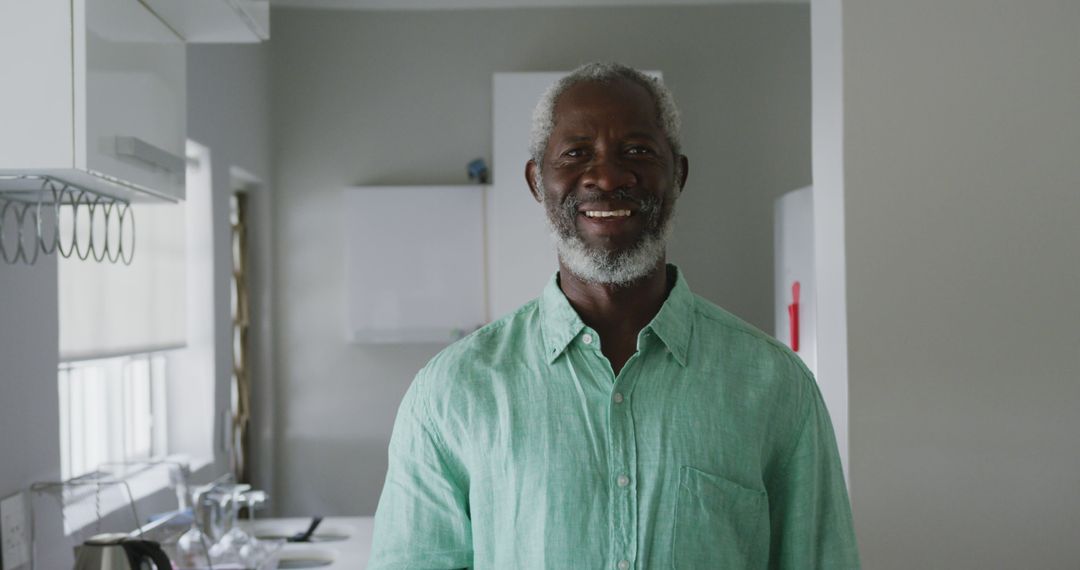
(375, 97)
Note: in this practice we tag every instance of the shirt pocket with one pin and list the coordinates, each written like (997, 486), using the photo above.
(717, 522)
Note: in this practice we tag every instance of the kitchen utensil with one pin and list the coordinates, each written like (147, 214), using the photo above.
(306, 536)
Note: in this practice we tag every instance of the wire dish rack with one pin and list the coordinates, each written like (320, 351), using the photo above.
(99, 502)
(42, 215)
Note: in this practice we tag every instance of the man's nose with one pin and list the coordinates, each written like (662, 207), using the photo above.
(608, 174)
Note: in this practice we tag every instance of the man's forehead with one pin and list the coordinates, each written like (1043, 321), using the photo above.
(620, 98)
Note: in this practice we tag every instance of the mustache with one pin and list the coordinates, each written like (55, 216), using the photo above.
(645, 205)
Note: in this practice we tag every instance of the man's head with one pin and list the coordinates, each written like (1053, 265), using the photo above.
(606, 165)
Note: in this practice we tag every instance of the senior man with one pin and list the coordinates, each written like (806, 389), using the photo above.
(618, 421)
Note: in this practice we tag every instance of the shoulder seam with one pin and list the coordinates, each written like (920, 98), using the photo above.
(760, 335)
(426, 420)
(808, 397)
(501, 322)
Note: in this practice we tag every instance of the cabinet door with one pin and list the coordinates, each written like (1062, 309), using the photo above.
(35, 86)
(414, 263)
(135, 97)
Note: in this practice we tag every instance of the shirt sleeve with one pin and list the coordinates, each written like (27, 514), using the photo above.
(422, 521)
(810, 516)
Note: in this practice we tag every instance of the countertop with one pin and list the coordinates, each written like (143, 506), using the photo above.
(344, 540)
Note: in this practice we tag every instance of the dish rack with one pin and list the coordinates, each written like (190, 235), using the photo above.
(42, 215)
(98, 502)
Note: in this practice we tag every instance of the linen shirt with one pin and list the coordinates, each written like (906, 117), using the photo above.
(518, 447)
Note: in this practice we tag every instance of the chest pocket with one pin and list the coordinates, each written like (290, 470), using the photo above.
(717, 523)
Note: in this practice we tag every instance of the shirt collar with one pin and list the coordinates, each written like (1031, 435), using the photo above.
(559, 321)
(673, 324)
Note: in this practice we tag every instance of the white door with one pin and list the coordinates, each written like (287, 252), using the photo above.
(520, 256)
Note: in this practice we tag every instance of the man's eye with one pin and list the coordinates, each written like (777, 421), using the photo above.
(637, 150)
(575, 153)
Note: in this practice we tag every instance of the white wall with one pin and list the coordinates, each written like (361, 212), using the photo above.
(384, 98)
(228, 111)
(826, 25)
(29, 400)
(962, 193)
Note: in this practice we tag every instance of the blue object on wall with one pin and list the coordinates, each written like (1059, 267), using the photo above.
(478, 171)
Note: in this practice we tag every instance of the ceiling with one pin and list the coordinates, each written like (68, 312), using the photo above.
(470, 4)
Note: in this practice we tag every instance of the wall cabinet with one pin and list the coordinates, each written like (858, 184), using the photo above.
(95, 95)
(414, 263)
(215, 21)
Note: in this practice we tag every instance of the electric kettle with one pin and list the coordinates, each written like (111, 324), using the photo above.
(118, 551)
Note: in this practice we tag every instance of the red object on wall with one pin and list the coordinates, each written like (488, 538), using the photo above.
(793, 316)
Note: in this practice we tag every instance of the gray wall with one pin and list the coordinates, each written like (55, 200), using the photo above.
(405, 98)
(963, 248)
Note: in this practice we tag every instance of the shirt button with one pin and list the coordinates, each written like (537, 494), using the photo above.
(624, 564)
(622, 480)
(586, 338)
(618, 397)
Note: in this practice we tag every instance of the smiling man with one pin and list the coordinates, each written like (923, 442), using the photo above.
(618, 421)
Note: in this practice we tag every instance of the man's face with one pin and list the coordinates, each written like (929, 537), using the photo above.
(608, 181)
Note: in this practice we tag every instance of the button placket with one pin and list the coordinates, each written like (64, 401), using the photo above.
(623, 466)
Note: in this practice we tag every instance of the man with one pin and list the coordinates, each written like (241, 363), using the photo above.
(619, 421)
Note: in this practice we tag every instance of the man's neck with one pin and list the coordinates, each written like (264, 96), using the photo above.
(617, 313)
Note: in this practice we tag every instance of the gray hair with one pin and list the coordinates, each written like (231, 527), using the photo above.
(543, 119)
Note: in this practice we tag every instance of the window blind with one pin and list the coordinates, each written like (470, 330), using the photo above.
(109, 309)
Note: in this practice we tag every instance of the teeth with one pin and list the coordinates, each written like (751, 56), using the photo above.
(606, 213)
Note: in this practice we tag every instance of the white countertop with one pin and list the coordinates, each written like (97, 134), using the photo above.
(351, 553)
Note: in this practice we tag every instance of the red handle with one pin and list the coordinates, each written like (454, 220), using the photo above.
(793, 317)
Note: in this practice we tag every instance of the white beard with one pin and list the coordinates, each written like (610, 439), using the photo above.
(594, 265)
(603, 268)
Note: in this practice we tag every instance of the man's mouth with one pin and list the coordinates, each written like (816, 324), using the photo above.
(607, 213)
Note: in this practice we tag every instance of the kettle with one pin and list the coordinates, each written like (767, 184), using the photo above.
(118, 551)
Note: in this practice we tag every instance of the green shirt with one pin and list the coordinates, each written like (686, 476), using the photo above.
(517, 447)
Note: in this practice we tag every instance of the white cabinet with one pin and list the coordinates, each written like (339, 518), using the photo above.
(94, 94)
(215, 21)
(414, 263)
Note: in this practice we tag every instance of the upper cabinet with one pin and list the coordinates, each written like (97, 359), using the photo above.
(95, 96)
(429, 286)
(95, 91)
(215, 21)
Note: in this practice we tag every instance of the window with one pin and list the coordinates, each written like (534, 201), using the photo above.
(125, 330)
(112, 410)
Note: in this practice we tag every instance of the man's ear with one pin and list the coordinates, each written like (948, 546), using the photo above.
(532, 179)
(684, 170)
